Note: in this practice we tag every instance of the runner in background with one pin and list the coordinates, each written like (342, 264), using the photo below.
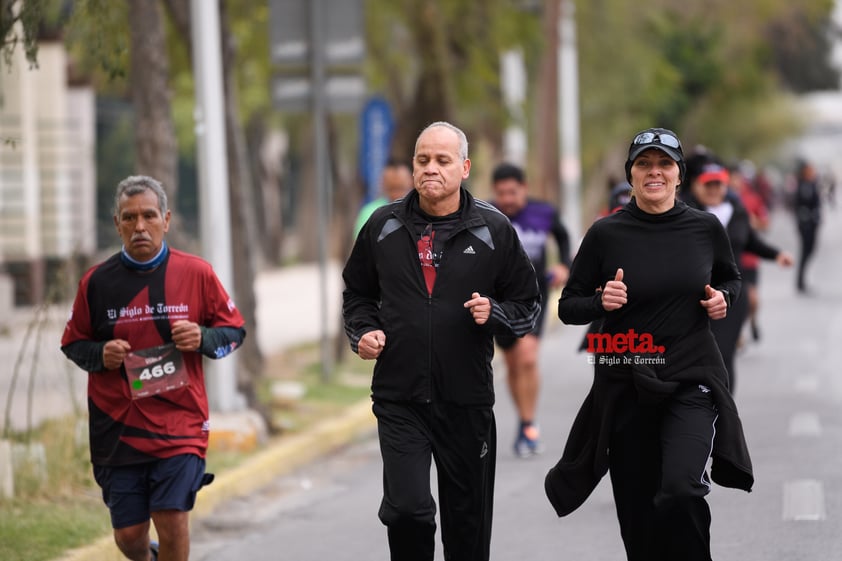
(395, 182)
(536, 222)
(807, 208)
(758, 215)
(709, 191)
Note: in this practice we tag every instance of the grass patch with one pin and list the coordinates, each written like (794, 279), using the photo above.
(57, 505)
(348, 383)
(41, 529)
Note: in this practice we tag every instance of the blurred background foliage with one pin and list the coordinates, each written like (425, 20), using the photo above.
(722, 73)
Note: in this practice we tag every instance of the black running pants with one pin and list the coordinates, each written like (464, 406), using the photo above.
(462, 442)
(657, 462)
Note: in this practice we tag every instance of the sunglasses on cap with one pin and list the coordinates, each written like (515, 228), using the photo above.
(665, 139)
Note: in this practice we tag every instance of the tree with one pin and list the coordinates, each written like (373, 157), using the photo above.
(545, 116)
(703, 68)
(244, 237)
(439, 60)
(156, 67)
(19, 25)
(801, 43)
(156, 152)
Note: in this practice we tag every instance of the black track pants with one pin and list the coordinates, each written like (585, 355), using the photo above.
(727, 333)
(658, 460)
(462, 441)
(807, 231)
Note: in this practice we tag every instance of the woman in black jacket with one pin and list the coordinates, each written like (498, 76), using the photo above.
(656, 272)
(709, 192)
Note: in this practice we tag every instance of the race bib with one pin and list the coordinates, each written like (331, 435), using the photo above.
(155, 370)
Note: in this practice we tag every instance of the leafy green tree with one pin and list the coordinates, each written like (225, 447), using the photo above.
(705, 69)
(152, 66)
(800, 42)
(439, 60)
(20, 26)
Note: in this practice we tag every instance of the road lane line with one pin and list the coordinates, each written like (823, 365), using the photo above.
(807, 384)
(804, 500)
(805, 424)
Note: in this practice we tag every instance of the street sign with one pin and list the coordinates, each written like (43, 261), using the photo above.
(376, 127)
(342, 28)
(317, 47)
(343, 93)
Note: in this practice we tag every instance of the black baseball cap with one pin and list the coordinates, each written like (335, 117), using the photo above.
(661, 139)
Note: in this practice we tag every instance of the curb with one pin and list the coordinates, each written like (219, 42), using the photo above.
(280, 456)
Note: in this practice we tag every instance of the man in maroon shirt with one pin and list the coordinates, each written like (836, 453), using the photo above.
(141, 321)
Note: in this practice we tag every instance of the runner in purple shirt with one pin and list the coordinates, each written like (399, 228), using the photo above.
(536, 222)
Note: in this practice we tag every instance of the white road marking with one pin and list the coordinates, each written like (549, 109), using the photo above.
(805, 424)
(804, 500)
(808, 384)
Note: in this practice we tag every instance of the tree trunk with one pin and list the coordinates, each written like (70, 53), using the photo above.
(546, 119)
(243, 225)
(433, 99)
(156, 151)
(267, 165)
(243, 232)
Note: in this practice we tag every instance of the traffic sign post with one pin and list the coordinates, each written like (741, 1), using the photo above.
(318, 46)
(306, 33)
(376, 128)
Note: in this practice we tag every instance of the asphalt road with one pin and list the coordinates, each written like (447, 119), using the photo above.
(789, 393)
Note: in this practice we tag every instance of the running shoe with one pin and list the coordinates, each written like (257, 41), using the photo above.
(528, 442)
(153, 546)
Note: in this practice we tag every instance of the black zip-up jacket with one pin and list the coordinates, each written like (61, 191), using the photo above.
(584, 461)
(434, 349)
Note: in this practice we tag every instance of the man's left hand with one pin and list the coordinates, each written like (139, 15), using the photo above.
(186, 335)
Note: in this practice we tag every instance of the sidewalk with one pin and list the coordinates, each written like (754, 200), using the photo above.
(288, 308)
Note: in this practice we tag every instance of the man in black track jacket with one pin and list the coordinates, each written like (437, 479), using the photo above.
(431, 279)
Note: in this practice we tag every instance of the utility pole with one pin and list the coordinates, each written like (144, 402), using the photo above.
(513, 84)
(318, 48)
(570, 162)
(215, 220)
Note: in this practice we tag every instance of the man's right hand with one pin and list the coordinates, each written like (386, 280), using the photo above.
(114, 352)
(371, 344)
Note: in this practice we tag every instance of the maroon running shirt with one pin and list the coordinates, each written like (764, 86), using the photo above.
(116, 302)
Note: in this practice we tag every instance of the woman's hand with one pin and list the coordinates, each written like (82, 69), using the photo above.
(614, 294)
(715, 303)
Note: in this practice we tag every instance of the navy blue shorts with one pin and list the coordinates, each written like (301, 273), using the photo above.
(133, 492)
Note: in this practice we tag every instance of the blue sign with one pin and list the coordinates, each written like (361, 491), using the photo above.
(376, 128)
